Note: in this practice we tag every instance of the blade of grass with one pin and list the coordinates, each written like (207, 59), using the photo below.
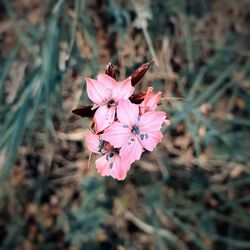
(15, 140)
(197, 82)
(214, 86)
(5, 70)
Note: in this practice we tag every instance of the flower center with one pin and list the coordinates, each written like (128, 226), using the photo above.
(111, 153)
(101, 145)
(135, 130)
(111, 103)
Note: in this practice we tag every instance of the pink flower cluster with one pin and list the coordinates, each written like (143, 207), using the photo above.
(122, 130)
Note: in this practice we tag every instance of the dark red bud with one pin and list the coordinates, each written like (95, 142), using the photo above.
(84, 111)
(137, 99)
(137, 75)
(112, 71)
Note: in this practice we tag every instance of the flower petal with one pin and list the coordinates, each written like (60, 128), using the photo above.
(151, 139)
(150, 125)
(123, 90)
(153, 101)
(150, 101)
(117, 134)
(119, 169)
(92, 142)
(131, 150)
(107, 81)
(97, 91)
(149, 94)
(103, 118)
(127, 112)
(167, 122)
(103, 165)
(151, 121)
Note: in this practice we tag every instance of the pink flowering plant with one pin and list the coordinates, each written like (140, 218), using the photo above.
(124, 125)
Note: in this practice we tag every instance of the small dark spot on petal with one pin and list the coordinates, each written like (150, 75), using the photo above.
(129, 143)
(132, 139)
(107, 157)
(111, 165)
(142, 136)
(138, 118)
(146, 135)
(125, 126)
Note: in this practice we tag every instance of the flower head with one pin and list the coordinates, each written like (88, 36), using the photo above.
(110, 162)
(106, 92)
(134, 132)
(124, 125)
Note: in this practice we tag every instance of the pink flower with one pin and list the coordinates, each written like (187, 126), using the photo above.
(105, 92)
(150, 101)
(134, 133)
(110, 163)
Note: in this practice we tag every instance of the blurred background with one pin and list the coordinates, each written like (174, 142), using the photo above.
(192, 192)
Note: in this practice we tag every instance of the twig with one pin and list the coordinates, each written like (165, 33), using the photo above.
(172, 98)
(151, 230)
(150, 45)
(89, 160)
